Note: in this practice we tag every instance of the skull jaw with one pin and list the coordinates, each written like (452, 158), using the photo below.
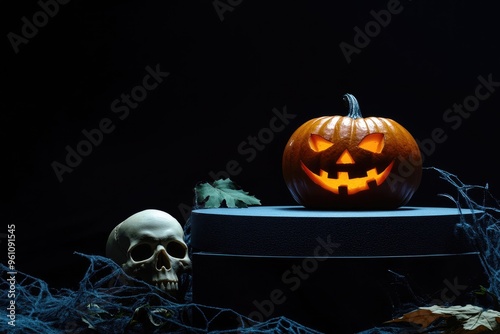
(166, 280)
(163, 279)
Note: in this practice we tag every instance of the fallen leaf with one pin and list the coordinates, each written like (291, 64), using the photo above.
(471, 316)
(473, 319)
(214, 195)
(421, 316)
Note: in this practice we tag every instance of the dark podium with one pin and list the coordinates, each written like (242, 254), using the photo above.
(333, 271)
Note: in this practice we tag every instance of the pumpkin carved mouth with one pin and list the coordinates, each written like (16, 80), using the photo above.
(343, 184)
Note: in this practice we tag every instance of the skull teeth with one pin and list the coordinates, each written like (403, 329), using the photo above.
(167, 285)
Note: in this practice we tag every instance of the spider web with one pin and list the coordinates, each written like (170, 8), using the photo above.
(107, 301)
(482, 230)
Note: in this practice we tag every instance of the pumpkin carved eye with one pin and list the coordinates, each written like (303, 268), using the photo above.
(374, 143)
(318, 143)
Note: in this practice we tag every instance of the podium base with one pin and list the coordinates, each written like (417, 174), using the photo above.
(333, 271)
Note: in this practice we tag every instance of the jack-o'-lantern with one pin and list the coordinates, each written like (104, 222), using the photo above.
(352, 163)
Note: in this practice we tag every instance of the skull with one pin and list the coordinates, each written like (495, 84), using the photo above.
(149, 245)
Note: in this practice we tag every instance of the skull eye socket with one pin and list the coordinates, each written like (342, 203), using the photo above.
(176, 249)
(141, 252)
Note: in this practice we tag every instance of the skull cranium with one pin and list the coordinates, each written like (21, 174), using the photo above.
(149, 245)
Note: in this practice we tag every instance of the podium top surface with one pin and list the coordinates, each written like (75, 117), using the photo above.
(301, 212)
(295, 231)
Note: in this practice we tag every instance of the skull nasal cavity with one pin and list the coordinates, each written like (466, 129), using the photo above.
(345, 158)
(162, 260)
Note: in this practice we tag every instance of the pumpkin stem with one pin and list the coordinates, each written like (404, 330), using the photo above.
(353, 105)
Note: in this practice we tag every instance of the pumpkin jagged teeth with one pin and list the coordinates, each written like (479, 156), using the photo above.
(342, 176)
(372, 184)
(343, 190)
(343, 182)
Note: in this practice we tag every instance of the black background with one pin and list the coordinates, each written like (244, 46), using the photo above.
(227, 73)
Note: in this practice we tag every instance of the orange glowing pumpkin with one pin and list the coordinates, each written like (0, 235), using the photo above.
(350, 162)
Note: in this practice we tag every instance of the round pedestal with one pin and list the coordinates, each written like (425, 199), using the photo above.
(334, 271)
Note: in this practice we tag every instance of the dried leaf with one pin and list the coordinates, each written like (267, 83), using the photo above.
(421, 316)
(473, 319)
(95, 314)
(150, 316)
(221, 192)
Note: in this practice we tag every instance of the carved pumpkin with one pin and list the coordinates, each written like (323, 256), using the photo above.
(350, 162)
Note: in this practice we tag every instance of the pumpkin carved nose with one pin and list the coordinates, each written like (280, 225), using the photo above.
(345, 158)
